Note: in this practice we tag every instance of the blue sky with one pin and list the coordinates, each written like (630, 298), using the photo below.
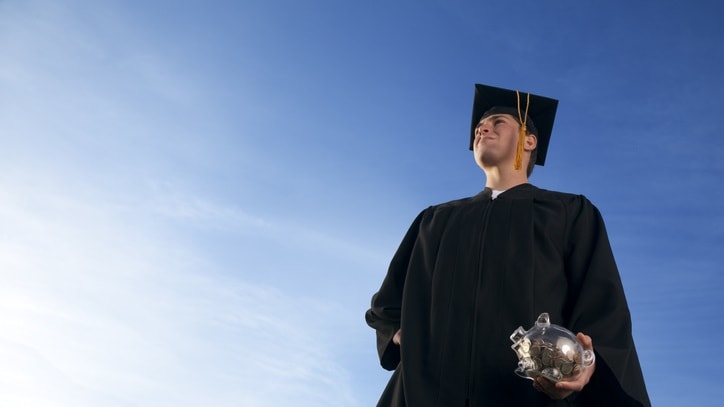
(197, 200)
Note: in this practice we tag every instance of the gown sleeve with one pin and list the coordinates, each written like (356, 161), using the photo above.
(599, 309)
(384, 313)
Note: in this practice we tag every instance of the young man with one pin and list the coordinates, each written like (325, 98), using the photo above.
(470, 271)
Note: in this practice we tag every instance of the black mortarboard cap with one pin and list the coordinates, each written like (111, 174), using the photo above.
(490, 100)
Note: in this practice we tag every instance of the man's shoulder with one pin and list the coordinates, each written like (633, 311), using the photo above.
(557, 195)
(570, 202)
(459, 202)
(548, 194)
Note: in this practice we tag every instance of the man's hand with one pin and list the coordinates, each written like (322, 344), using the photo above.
(563, 389)
(396, 339)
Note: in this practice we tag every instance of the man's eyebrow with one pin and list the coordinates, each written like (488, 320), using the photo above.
(491, 117)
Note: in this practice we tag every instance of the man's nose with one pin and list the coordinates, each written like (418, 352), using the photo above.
(483, 129)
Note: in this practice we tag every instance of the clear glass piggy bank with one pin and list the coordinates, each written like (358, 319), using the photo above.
(550, 351)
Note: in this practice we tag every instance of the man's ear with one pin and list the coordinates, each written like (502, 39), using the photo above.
(531, 142)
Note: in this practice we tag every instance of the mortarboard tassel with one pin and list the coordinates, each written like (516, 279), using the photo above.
(522, 133)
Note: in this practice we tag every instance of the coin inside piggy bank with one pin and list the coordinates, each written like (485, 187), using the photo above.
(550, 351)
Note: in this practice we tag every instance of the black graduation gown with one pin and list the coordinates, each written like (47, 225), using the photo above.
(470, 271)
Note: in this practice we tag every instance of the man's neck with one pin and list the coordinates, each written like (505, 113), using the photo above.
(501, 180)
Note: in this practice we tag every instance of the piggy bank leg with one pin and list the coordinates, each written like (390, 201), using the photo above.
(552, 374)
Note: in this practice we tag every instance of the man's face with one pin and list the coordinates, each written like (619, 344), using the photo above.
(496, 138)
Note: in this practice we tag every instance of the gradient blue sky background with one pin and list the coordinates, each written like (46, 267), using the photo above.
(198, 199)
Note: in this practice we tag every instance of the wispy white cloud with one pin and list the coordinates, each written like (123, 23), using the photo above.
(95, 297)
(169, 201)
(113, 291)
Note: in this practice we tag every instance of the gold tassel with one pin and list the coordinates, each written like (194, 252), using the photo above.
(518, 163)
(519, 150)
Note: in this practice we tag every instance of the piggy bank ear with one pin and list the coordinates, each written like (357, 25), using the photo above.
(543, 321)
(517, 335)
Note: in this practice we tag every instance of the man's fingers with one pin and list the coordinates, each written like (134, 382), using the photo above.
(570, 386)
(397, 338)
(551, 389)
(585, 340)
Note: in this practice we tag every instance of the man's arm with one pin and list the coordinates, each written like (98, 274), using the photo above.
(385, 311)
